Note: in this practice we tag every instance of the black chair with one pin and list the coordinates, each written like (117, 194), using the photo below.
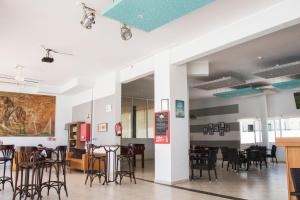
(8, 153)
(272, 154)
(224, 151)
(125, 164)
(295, 174)
(209, 163)
(257, 155)
(235, 159)
(195, 157)
(97, 164)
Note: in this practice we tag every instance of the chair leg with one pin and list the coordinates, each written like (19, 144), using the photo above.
(216, 174)
(209, 175)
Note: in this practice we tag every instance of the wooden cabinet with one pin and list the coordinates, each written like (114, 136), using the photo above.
(74, 132)
(292, 152)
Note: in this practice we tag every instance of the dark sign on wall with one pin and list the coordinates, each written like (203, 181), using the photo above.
(162, 128)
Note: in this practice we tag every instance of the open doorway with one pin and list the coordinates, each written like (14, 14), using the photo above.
(137, 116)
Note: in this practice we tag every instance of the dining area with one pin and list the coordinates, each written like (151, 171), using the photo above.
(204, 158)
(38, 172)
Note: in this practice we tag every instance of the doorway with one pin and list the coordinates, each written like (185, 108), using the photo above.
(137, 116)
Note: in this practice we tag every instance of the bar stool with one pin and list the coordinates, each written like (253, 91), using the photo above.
(56, 163)
(125, 164)
(27, 163)
(8, 153)
(97, 164)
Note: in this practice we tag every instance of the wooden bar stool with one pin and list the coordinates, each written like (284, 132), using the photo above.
(8, 153)
(56, 164)
(97, 164)
(28, 170)
(125, 164)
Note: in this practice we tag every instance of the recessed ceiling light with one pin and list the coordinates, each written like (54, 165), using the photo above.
(260, 58)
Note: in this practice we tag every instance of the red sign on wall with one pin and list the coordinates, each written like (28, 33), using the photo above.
(162, 127)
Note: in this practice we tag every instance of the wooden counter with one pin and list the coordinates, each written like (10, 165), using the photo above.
(292, 158)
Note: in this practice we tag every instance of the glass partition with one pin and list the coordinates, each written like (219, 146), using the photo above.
(137, 118)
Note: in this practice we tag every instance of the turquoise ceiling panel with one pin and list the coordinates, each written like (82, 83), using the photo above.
(287, 84)
(151, 14)
(239, 92)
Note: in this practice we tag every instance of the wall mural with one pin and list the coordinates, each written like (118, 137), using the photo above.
(26, 114)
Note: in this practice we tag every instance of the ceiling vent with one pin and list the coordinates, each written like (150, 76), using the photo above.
(280, 70)
(219, 83)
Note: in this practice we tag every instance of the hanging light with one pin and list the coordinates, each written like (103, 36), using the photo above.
(88, 18)
(126, 33)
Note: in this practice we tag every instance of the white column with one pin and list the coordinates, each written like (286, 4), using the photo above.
(171, 160)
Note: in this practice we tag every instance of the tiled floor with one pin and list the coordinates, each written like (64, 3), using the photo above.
(255, 184)
(267, 184)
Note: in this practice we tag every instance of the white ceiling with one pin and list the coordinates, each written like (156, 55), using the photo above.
(26, 25)
(242, 60)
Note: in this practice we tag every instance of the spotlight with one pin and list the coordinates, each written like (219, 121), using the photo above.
(126, 32)
(88, 18)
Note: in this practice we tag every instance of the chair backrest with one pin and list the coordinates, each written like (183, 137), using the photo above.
(224, 151)
(61, 152)
(295, 174)
(253, 155)
(233, 155)
(8, 151)
(212, 158)
(27, 154)
(273, 150)
(137, 148)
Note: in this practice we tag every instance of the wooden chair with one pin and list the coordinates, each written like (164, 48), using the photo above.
(138, 149)
(8, 153)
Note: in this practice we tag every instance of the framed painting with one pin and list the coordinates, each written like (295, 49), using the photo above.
(179, 108)
(27, 114)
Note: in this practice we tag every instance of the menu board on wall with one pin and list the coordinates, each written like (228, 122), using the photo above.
(162, 128)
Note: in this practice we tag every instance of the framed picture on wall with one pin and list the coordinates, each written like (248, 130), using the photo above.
(211, 131)
(102, 127)
(227, 128)
(222, 133)
(205, 131)
(222, 125)
(210, 126)
(164, 104)
(216, 128)
(179, 108)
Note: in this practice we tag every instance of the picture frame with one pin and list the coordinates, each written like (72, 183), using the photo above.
(210, 126)
(222, 125)
(211, 132)
(227, 128)
(102, 127)
(222, 132)
(205, 130)
(164, 104)
(216, 128)
(179, 108)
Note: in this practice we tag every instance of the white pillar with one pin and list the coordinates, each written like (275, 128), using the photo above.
(171, 160)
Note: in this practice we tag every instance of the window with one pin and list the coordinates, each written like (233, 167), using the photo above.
(250, 131)
(288, 127)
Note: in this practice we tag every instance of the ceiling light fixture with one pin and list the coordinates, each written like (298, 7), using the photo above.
(89, 16)
(126, 33)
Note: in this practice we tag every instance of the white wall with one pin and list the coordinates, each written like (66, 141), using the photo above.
(63, 115)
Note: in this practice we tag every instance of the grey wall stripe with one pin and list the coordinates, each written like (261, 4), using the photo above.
(234, 126)
(218, 143)
(220, 110)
